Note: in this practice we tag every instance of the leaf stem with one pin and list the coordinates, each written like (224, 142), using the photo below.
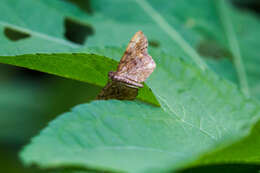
(172, 33)
(233, 45)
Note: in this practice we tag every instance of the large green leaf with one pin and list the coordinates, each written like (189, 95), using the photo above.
(84, 67)
(200, 112)
(88, 68)
(114, 25)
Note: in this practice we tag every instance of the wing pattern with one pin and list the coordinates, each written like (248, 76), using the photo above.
(136, 65)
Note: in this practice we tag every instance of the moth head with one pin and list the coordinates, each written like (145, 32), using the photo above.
(111, 74)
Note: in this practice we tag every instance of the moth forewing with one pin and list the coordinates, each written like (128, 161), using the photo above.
(135, 66)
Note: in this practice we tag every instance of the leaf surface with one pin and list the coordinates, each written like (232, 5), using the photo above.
(205, 18)
(197, 107)
(88, 68)
(198, 114)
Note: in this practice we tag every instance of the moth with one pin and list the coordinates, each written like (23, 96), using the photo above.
(135, 66)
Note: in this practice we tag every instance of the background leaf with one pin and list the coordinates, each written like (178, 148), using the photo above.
(207, 23)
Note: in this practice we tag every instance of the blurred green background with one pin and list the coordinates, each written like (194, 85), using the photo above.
(29, 99)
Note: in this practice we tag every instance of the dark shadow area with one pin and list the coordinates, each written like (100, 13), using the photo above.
(154, 44)
(11, 163)
(76, 169)
(77, 32)
(210, 49)
(228, 168)
(83, 5)
(27, 105)
(15, 35)
(28, 74)
(252, 5)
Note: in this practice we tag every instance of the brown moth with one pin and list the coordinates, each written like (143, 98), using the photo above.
(135, 67)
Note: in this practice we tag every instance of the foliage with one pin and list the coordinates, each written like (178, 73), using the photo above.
(202, 48)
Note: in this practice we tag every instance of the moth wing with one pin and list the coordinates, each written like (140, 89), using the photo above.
(136, 64)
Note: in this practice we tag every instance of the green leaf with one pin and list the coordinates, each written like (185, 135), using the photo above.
(109, 29)
(204, 18)
(245, 151)
(224, 68)
(114, 25)
(88, 68)
(172, 36)
(247, 28)
(19, 17)
(198, 114)
(44, 37)
(29, 45)
(233, 44)
(46, 40)
(83, 67)
(172, 33)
